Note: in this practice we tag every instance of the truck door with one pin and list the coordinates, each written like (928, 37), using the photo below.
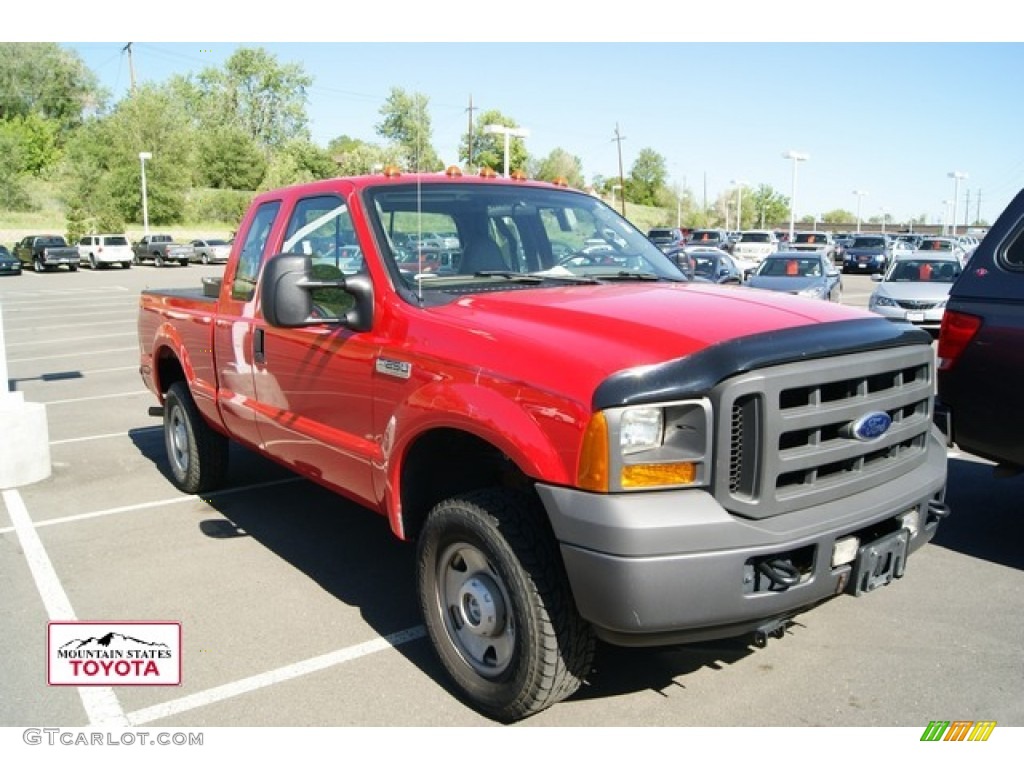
(233, 331)
(313, 383)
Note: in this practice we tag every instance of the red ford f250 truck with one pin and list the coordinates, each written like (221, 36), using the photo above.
(583, 445)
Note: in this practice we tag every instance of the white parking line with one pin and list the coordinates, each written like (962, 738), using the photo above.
(96, 397)
(35, 342)
(107, 436)
(274, 676)
(101, 704)
(155, 504)
(90, 352)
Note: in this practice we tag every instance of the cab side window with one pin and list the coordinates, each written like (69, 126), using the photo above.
(251, 257)
(321, 228)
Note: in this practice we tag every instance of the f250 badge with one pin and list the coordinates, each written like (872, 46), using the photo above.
(868, 427)
(397, 368)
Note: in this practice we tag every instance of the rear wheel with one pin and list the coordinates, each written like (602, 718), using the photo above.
(497, 604)
(198, 455)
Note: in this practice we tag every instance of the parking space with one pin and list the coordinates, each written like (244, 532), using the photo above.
(298, 608)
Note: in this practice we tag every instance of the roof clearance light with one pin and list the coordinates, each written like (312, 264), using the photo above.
(488, 173)
(518, 176)
(561, 181)
(453, 171)
(392, 171)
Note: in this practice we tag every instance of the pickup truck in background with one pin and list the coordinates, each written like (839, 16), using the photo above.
(583, 444)
(981, 348)
(46, 252)
(161, 250)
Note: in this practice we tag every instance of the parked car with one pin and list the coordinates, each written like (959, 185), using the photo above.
(710, 238)
(755, 244)
(714, 265)
(981, 348)
(868, 254)
(804, 274)
(943, 244)
(46, 252)
(9, 265)
(211, 251)
(915, 289)
(815, 242)
(100, 251)
(667, 238)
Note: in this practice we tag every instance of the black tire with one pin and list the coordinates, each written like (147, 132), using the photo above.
(126, 265)
(497, 604)
(158, 260)
(198, 455)
(72, 267)
(37, 265)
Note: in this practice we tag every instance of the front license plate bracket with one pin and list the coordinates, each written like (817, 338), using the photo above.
(880, 561)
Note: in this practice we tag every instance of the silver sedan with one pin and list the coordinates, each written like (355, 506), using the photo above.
(802, 274)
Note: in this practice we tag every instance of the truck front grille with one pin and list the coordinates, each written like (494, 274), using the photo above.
(785, 434)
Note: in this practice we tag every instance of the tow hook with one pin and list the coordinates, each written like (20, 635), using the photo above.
(781, 573)
(774, 629)
(938, 510)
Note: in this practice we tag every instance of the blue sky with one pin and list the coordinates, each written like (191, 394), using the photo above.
(889, 118)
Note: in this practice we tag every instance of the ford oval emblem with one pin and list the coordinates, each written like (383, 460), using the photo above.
(870, 426)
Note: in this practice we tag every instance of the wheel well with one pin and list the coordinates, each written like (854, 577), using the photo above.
(168, 370)
(447, 462)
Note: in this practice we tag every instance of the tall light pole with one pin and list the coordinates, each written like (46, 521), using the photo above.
(739, 202)
(861, 194)
(956, 176)
(521, 133)
(945, 216)
(143, 157)
(796, 157)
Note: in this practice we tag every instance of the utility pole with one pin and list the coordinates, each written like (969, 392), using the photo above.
(967, 209)
(469, 158)
(131, 64)
(622, 180)
(977, 215)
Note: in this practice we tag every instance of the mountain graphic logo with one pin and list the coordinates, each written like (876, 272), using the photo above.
(110, 641)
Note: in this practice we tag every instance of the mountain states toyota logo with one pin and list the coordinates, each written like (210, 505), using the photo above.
(121, 653)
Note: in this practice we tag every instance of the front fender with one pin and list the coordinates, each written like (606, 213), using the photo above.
(538, 432)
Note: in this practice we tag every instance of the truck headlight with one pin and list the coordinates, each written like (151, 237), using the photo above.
(647, 447)
(882, 301)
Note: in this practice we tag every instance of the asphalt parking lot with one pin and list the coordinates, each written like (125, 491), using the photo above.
(298, 609)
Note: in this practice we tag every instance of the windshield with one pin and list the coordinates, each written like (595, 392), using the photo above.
(705, 236)
(790, 268)
(868, 242)
(512, 236)
(924, 271)
(810, 238)
(755, 237)
(116, 240)
(936, 245)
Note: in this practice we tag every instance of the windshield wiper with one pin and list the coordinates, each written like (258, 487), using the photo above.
(631, 275)
(519, 277)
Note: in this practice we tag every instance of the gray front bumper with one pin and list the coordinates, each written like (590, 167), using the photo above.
(673, 566)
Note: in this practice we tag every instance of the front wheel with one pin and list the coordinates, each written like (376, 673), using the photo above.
(497, 604)
(198, 455)
(158, 260)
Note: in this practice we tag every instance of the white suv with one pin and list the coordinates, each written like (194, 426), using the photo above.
(755, 244)
(100, 251)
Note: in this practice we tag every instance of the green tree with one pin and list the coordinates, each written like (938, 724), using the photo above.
(769, 207)
(489, 148)
(353, 157)
(839, 216)
(253, 93)
(229, 159)
(46, 80)
(405, 123)
(559, 164)
(646, 180)
(104, 170)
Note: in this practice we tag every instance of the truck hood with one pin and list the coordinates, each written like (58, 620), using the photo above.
(570, 339)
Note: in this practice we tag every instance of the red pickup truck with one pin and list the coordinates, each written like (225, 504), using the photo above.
(583, 445)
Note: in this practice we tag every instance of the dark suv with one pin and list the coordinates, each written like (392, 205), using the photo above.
(667, 238)
(981, 348)
(712, 238)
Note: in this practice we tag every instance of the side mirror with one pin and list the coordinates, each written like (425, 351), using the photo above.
(287, 295)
